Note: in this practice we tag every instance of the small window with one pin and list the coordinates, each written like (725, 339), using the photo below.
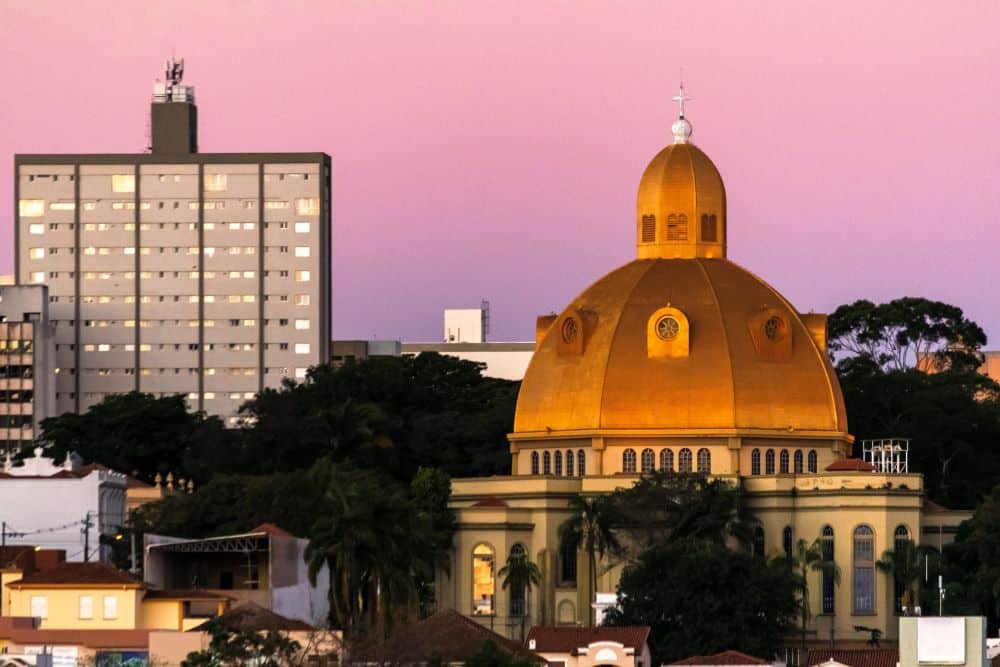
(628, 461)
(301, 227)
(648, 461)
(569, 462)
(709, 229)
(110, 606)
(755, 462)
(302, 348)
(648, 228)
(546, 463)
(31, 208)
(301, 251)
(666, 460)
(123, 183)
(786, 541)
(812, 460)
(704, 461)
(684, 460)
(829, 581)
(567, 564)
(769, 462)
(783, 462)
(677, 227)
(558, 464)
(39, 606)
(581, 463)
(307, 206)
(798, 462)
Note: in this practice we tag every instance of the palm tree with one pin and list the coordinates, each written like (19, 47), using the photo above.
(804, 559)
(520, 574)
(905, 564)
(591, 528)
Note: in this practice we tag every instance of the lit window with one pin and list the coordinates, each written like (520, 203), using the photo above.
(302, 227)
(249, 298)
(210, 251)
(302, 348)
(31, 208)
(88, 348)
(90, 206)
(234, 298)
(248, 395)
(301, 299)
(249, 226)
(215, 182)
(39, 606)
(209, 395)
(123, 183)
(193, 396)
(648, 461)
(110, 606)
(86, 607)
(301, 251)
(300, 373)
(307, 206)
(103, 347)
(38, 277)
(704, 461)
(62, 206)
(483, 584)
(275, 204)
(248, 274)
(36, 253)
(302, 276)
(302, 325)
(36, 228)
(129, 250)
(628, 461)
(251, 323)
(666, 460)
(90, 250)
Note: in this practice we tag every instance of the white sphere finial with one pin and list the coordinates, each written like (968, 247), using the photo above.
(682, 126)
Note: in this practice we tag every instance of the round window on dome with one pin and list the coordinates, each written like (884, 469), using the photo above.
(570, 330)
(667, 327)
(774, 328)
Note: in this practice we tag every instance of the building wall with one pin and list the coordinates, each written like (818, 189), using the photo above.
(507, 361)
(64, 607)
(27, 352)
(204, 275)
(464, 325)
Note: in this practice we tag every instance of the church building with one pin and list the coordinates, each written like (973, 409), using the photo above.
(683, 361)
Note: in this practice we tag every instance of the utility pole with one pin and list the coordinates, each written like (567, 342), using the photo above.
(3, 545)
(86, 538)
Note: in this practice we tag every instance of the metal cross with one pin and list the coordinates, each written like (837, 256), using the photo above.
(681, 98)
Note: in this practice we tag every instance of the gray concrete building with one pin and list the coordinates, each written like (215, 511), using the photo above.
(174, 271)
(27, 351)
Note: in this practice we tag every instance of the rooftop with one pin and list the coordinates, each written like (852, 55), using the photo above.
(549, 639)
(83, 574)
(864, 657)
(250, 616)
(724, 658)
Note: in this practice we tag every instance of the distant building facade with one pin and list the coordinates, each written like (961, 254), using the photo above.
(175, 271)
(27, 364)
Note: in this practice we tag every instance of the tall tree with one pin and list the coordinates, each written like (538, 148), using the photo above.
(805, 559)
(520, 574)
(591, 527)
(905, 564)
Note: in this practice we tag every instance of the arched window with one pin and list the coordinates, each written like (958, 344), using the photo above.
(666, 460)
(757, 545)
(569, 462)
(863, 578)
(684, 460)
(581, 463)
(826, 553)
(769, 462)
(704, 461)
(628, 460)
(546, 464)
(786, 541)
(812, 460)
(534, 463)
(783, 462)
(755, 462)
(797, 462)
(648, 461)
(900, 544)
(483, 584)
(517, 593)
(567, 564)
(558, 458)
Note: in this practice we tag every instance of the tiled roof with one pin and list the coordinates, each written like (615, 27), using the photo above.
(850, 465)
(724, 658)
(174, 594)
(447, 636)
(555, 639)
(251, 616)
(22, 631)
(862, 657)
(86, 574)
(271, 530)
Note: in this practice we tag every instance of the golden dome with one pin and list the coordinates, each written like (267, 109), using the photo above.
(681, 340)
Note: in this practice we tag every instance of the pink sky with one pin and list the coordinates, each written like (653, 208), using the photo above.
(493, 149)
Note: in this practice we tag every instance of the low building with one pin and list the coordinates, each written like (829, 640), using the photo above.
(724, 659)
(506, 361)
(67, 506)
(265, 566)
(861, 657)
(588, 647)
(27, 364)
(342, 351)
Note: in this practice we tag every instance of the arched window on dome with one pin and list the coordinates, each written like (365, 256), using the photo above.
(755, 462)
(709, 228)
(666, 460)
(826, 554)
(786, 541)
(757, 545)
(863, 577)
(704, 461)
(581, 463)
(546, 464)
(534, 463)
(569, 462)
(558, 464)
(769, 462)
(648, 461)
(783, 462)
(517, 593)
(797, 459)
(684, 460)
(812, 460)
(628, 460)
(649, 229)
(900, 544)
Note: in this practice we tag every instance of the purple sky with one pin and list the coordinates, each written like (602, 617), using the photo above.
(493, 149)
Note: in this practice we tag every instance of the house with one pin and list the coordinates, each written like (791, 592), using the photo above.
(585, 647)
(265, 566)
(724, 659)
(862, 657)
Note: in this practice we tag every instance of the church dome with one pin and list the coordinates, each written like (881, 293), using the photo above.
(681, 340)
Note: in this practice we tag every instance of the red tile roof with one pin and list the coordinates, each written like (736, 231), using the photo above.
(85, 574)
(724, 658)
(22, 631)
(174, 594)
(250, 616)
(850, 465)
(554, 639)
(862, 657)
(271, 530)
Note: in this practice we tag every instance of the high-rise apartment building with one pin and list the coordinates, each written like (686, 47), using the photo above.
(173, 271)
(27, 351)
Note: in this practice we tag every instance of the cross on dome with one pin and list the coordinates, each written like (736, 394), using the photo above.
(681, 98)
(681, 127)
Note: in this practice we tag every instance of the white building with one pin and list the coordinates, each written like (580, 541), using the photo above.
(175, 271)
(61, 506)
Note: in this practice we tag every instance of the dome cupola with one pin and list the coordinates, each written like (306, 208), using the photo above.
(681, 205)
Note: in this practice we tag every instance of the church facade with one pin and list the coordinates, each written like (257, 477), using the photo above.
(681, 360)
